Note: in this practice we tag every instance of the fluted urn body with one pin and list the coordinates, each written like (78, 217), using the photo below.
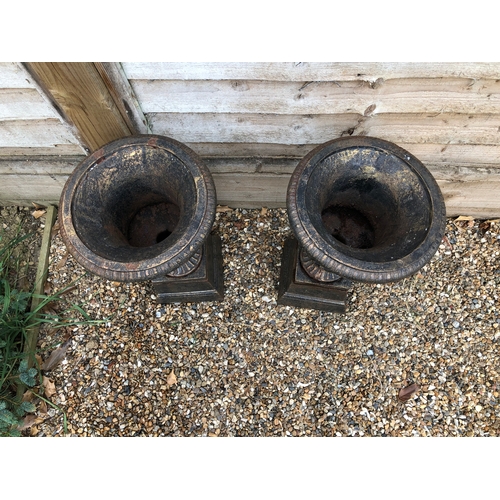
(364, 209)
(138, 208)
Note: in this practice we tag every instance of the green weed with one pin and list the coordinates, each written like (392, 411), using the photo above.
(18, 319)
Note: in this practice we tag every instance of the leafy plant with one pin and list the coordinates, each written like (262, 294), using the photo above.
(27, 375)
(19, 315)
(10, 419)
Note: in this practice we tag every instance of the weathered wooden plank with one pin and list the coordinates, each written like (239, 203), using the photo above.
(443, 128)
(27, 152)
(41, 276)
(14, 76)
(40, 166)
(119, 87)
(445, 95)
(23, 104)
(465, 163)
(84, 100)
(460, 155)
(471, 155)
(249, 128)
(316, 129)
(255, 150)
(249, 166)
(29, 122)
(46, 133)
(307, 71)
(251, 190)
(254, 183)
(456, 154)
(477, 196)
(65, 165)
(43, 259)
(41, 189)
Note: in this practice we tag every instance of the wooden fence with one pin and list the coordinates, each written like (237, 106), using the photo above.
(252, 122)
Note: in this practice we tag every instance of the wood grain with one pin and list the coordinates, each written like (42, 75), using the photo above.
(433, 95)
(14, 76)
(43, 166)
(123, 95)
(29, 122)
(307, 71)
(316, 129)
(471, 155)
(21, 136)
(28, 152)
(252, 183)
(25, 103)
(41, 276)
(83, 99)
(252, 122)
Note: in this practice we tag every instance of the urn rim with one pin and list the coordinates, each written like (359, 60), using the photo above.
(331, 254)
(203, 214)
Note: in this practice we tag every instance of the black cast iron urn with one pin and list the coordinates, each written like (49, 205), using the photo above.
(142, 208)
(361, 209)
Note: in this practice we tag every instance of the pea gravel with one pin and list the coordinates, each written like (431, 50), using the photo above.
(248, 367)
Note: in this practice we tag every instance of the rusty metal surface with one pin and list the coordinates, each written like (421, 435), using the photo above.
(314, 270)
(137, 208)
(205, 283)
(152, 224)
(366, 209)
(296, 288)
(189, 266)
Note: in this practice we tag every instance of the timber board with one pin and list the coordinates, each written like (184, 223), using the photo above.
(255, 183)
(308, 71)
(14, 76)
(267, 128)
(469, 155)
(253, 122)
(17, 136)
(435, 96)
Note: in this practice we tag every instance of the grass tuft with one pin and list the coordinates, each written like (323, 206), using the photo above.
(22, 311)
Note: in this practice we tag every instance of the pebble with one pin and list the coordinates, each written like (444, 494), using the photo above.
(249, 367)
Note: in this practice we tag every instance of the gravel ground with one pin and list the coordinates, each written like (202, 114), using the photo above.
(248, 367)
(20, 222)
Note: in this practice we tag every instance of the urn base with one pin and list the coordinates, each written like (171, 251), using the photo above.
(297, 289)
(205, 283)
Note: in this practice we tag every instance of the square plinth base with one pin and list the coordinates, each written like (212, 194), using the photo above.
(204, 284)
(297, 289)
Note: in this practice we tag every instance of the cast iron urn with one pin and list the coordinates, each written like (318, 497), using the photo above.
(142, 208)
(361, 209)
